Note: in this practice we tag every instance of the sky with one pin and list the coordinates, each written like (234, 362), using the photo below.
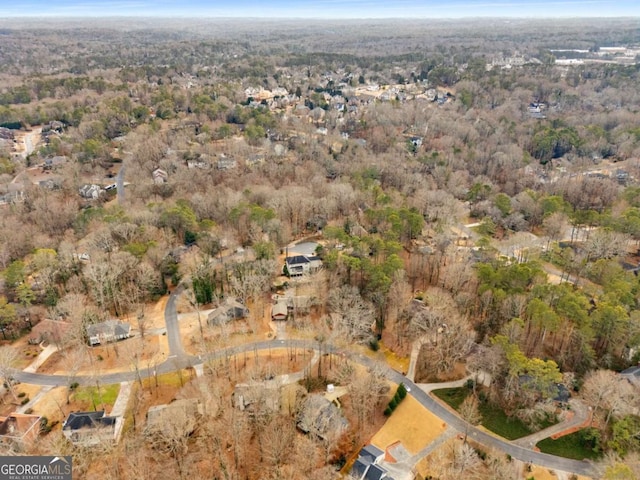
(330, 9)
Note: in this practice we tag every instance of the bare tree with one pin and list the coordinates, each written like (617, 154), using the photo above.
(352, 316)
(455, 460)
(171, 436)
(8, 357)
(72, 360)
(598, 385)
(449, 336)
(276, 440)
(606, 244)
(470, 413)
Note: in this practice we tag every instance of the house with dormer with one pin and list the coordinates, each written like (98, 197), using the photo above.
(89, 428)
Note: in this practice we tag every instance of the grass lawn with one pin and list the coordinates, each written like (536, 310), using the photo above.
(452, 396)
(496, 420)
(493, 418)
(90, 395)
(569, 446)
(178, 378)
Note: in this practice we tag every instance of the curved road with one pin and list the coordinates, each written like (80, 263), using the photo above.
(180, 359)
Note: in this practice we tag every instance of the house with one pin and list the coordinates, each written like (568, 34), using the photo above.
(368, 465)
(89, 428)
(53, 126)
(371, 454)
(12, 197)
(563, 394)
(321, 417)
(255, 159)
(50, 331)
(6, 134)
(90, 191)
(622, 176)
(19, 430)
(231, 309)
(53, 162)
(199, 163)
(263, 395)
(159, 176)
(109, 331)
(51, 183)
(279, 311)
(299, 265)
(226, 163)
(632, 374)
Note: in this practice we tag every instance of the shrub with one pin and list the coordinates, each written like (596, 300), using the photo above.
(21, 394)
(401, 392)
(374, 344)
(388, 411)
(24, 401)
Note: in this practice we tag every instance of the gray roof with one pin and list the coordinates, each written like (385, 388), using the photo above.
(359, 468)
(375, 472)
(370, 453)
(110, 327)
(319, 416)
(230, 310)
(631, 371)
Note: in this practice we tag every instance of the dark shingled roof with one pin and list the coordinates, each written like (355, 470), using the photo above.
(375, 472)
(78, 420)
(359, 467)
(297, 260)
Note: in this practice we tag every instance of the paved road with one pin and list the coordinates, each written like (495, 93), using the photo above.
(176, 349)
(180, 359)
(581, 416)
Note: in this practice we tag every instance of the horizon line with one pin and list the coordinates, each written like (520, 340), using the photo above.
(302, 17)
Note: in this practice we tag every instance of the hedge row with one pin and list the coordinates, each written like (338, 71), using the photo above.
(401, 392)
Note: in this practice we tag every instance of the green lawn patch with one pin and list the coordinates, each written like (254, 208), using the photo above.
(493, 418)
(94, 398)
(569, 446)
(452, 396)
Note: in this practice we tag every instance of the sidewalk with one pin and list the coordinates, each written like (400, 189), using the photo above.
(120, 408)
(43, 391)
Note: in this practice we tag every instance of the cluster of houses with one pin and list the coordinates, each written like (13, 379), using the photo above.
(624, 55)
